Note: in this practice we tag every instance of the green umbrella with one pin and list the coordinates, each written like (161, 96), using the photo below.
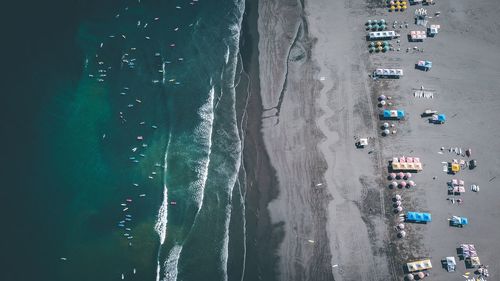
(368, 27)
(381, 27)
(371, 49)
(375, 27)
(382, 21)
(369, 22)
(374, 21)
(386, 43)
(386, 48)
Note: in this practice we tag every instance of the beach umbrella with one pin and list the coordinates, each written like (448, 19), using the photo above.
(379, 43)
(408, 175)
(421, 275)
(382, 97)
(394, 184)
(401, 226)
(386, 125)
(374, 22)
(369, 22)
(399, 208)
(392, 176)
(402, 234)
(382, 21)
(381, 27)
(398, 7)
(368, 27)
(374, 26)
(372, 44)
(386, 43)
(379, 48)
(403, 7)
(392, 9)
(410, 277)
(397, 203)
(403, 184)
(398, 197)
(386, 132)
(371, 50)
(401, 175)
(386, 48)
(382, 102)
(411, 183)
(403, 3)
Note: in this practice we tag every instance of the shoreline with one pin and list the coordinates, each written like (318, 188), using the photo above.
(263, 238)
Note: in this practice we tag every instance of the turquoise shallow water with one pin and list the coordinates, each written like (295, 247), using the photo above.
(80, 176)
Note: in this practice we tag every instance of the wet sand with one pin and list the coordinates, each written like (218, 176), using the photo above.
(333, 203)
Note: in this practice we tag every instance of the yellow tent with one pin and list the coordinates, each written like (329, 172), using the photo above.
(455, 167)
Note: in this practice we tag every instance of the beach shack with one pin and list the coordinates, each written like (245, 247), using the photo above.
(418, 217)
(388, 73)
(454, 167)
(393, 114)
(419, 265)
(417, 36)
(456, 187)
(382, 35)
(409, 164)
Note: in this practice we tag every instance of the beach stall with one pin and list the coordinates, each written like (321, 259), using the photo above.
(458, 221)
(382, 35)
(410, 164)
(417, 36)
(453, 167)
(451, 264)
(393, 114)
(418, 217)
(433, 30)
(388, 73)
(419, 265)
(424, 65)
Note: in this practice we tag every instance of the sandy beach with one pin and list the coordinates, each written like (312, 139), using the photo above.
(333, 201)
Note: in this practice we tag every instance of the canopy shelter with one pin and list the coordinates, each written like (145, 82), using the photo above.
(418, 217)
(451, 264)
(393, 114)
(388, 72)
(376, 35)
(425, 65)
(417, 36)
(419, 265)
(471, 262)
(468, 250)
(459, 221)
(406, 164)
(438, 118)
(433, 30)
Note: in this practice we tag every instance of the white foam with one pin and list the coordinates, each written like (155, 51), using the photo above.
(171, 263)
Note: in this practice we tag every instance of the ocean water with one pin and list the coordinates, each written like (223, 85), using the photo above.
(128, 161)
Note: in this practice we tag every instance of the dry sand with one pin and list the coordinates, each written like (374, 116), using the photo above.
(333, 198)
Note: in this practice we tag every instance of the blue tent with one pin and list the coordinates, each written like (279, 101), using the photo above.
(401, 114)
(418, 217)
(441, 118)
(387, 114)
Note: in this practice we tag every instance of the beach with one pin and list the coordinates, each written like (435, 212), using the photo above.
(334, 203)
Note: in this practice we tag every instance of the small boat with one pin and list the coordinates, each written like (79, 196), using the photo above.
(153, 173)
(102, 44)
(91, 75)
(64, 259)
(172, 45)
(173, 203)
(121, 225)
(178, 7)
(126, 234)
(123, 276)
(157, 18)
(134, 149)
(128, 200)
(138, 100)
(134, 271)
(135, 161)
(157, 54)
(124, 36)
(103, 136)
(140, 138)
(175, 29)
(142, 195)
(123, 205)
(130, 105)
(142, 123)
(125, 88)
(142, 155)
(147, 37)
(125, 209)
(144, 145)
(128, 229)
(150, 177)
(180, 59)
(154, 127)
(122, 93)
(128, 215)
(128, 219)
(145, 25)
(136, 184)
